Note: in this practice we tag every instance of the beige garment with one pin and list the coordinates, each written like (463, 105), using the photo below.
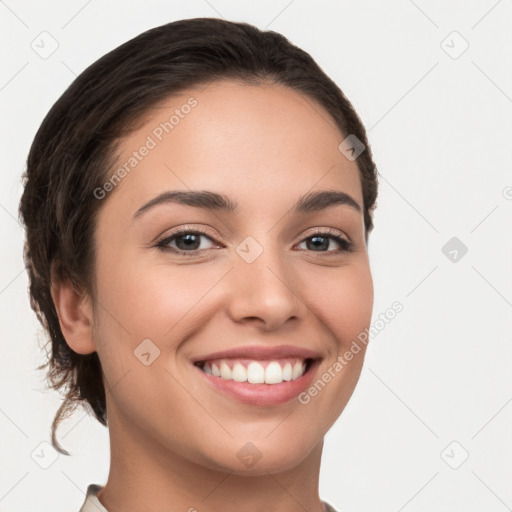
(92, 503)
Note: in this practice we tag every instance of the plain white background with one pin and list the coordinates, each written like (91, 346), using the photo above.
(429, 425)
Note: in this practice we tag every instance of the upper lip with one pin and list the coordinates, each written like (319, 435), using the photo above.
(262, 352)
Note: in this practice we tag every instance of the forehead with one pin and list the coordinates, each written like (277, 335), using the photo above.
(261, 143)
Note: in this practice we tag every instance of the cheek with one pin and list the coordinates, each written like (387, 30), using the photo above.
(164, 299)
(343, 301)
(161, 302)
(154, 300)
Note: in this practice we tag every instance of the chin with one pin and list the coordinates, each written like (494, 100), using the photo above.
(260, 456)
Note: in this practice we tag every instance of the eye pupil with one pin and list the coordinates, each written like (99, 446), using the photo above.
(192, 241)
(320, 242)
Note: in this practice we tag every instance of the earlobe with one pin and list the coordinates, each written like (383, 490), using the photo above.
(75, 316)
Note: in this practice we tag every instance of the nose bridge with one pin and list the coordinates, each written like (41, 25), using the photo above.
(266, 287)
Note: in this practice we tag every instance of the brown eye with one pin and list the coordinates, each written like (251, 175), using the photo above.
(322, 241)
(186, 241)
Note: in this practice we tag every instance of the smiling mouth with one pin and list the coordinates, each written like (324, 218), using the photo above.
(252, 371)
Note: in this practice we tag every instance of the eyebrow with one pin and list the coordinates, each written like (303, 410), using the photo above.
(312, 202)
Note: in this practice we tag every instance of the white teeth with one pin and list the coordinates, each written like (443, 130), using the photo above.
(298, 370)
(273, 373)
(225, 371)
(287, 371)
(239, 373)
(255, 372)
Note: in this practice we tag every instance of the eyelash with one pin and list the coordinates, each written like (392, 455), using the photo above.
(346, 245)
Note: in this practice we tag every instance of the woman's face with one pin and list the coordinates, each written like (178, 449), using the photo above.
(256, 293)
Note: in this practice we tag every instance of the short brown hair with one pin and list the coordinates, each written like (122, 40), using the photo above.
(74, 149)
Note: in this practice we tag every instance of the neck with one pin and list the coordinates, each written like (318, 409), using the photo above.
(145, 475)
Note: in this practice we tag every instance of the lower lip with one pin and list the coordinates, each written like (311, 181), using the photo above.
(262, 394)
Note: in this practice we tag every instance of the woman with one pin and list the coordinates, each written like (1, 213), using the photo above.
(197, 208)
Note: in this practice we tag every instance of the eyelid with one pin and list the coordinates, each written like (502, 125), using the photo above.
(217, 237)
(344, 241)
(214, 236)
(326, 231)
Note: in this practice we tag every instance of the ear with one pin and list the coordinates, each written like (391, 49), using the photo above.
(74, 310)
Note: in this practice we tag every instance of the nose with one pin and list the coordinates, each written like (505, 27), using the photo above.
(265, 292)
